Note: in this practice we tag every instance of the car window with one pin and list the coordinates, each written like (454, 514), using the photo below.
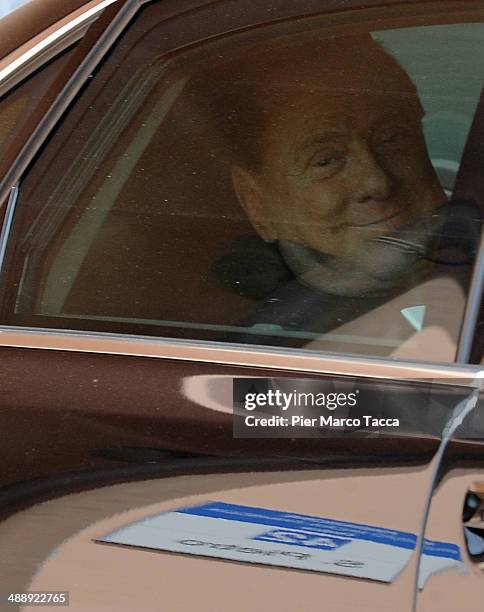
(290, 185)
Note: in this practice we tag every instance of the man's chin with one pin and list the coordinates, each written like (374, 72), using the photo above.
(370, 270)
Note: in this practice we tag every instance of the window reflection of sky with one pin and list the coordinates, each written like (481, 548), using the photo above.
(7, 6)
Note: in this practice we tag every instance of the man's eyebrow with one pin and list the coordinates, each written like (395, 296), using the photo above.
(318, 139)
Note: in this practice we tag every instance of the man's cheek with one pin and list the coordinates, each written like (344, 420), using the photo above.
(323, 202)
(420, 178)
(413, 164)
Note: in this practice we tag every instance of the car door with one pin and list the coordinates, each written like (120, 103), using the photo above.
(142, 285)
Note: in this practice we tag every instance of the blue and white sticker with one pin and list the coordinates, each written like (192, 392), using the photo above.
(285, 539)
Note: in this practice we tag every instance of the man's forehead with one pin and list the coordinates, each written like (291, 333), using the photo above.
(308, 126)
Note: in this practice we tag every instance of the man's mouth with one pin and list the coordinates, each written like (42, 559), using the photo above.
(387, 220)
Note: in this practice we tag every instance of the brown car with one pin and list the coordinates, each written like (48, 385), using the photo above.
(241, 275)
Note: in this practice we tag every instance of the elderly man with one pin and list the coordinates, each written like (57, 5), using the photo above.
(330, 165)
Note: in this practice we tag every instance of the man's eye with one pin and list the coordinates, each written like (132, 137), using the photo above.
(327, 163)
(321, 163)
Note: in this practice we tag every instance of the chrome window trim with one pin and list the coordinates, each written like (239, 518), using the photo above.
(7, 223)
(290, 360)
(473, 305)
(43, 47)
(474, 149)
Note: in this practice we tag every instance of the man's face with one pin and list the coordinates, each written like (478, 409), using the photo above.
(341, 164)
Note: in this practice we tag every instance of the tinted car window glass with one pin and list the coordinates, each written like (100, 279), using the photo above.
(262, 188)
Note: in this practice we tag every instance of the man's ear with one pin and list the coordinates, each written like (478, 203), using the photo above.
(250, 196)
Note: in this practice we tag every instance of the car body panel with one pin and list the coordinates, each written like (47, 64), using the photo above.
(96, 574)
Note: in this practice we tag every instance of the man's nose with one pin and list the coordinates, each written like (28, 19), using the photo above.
(372, 181)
